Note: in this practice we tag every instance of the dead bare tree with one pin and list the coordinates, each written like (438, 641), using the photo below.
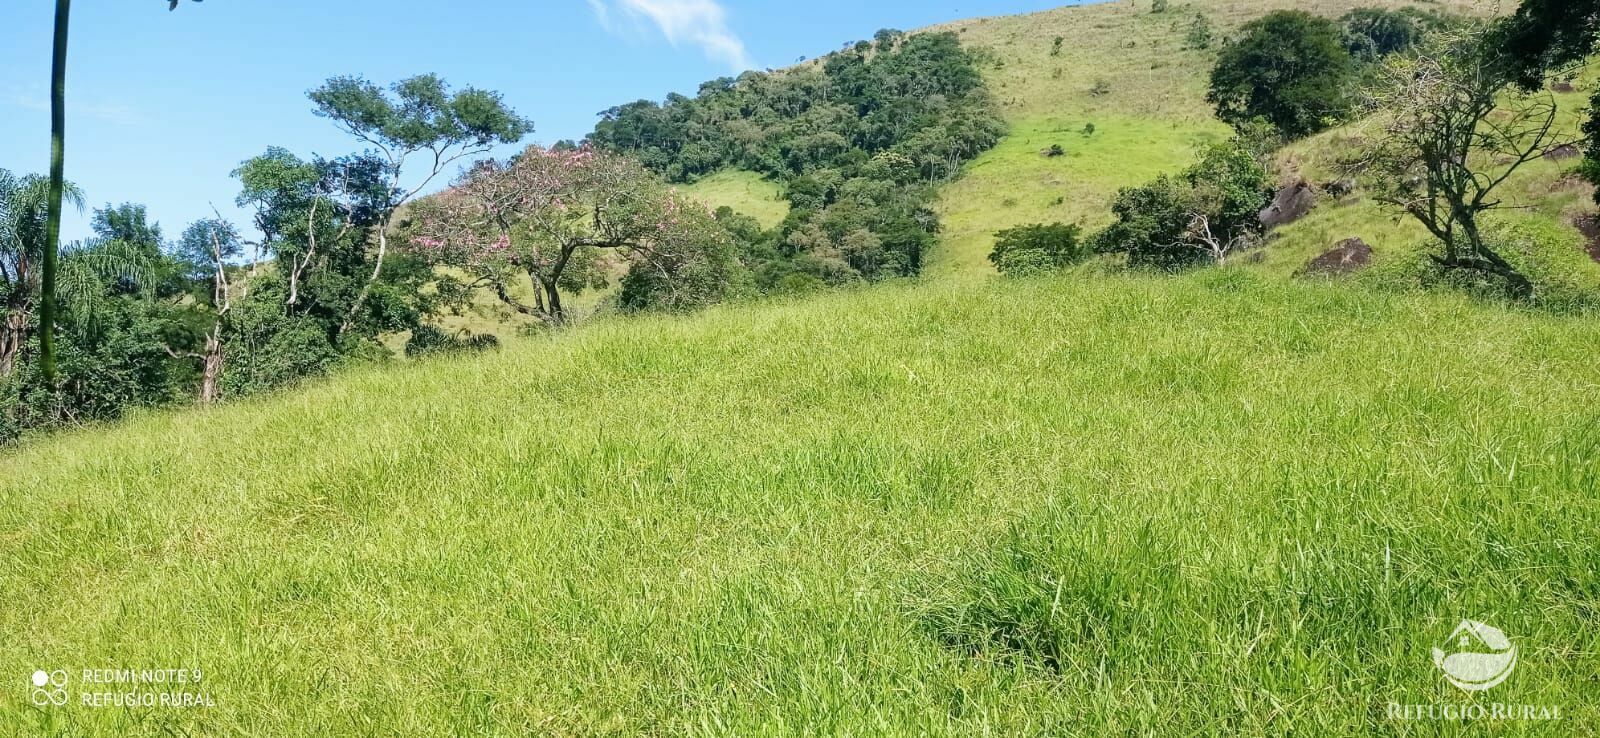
(1218, 247)
(1445, 131)
(217, 241)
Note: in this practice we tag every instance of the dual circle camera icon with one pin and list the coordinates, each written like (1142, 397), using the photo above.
(50, 688)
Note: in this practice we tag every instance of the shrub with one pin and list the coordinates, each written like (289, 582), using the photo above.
(1371, 33)
(1200, 36)
(1158, 225)
(1034, 249)
(1290, 68)
(427, 340)
(688, 278)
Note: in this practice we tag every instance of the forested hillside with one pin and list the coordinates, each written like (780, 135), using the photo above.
(858, 140)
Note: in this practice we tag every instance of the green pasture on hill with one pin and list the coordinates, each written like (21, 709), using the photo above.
(1213, 504)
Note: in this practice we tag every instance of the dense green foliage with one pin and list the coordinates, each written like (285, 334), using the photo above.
(1210, 209)
(859, 138)
(145, 322)
(919, 95)
(1289, 67)
(1546, 35)
(120, 301)
(1036, 249)
(1372, 33)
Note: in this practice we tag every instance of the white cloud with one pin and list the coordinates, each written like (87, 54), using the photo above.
(703, 23)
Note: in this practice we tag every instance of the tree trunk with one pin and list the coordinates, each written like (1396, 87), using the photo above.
(58, 137)
(211, 374)
(12, 333)
(552, 301)
(366, 289)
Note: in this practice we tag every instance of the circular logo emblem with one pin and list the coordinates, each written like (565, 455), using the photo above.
(49, 688)
(1476, 656)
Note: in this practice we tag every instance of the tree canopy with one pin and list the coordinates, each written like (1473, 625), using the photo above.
(1290, 68)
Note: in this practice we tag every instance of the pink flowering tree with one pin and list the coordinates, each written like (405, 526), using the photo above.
(567, 219)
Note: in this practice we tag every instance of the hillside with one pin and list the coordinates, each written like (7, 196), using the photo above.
(1252, 503)
(1149, 115)
(1100, 502)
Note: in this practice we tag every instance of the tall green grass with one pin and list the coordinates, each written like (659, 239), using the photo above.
(1215, 504)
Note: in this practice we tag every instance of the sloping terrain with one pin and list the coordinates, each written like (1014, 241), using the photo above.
(1137, 76)
(745, 192)
(1220, 503)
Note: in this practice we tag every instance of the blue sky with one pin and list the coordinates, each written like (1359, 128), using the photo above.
(162, 106)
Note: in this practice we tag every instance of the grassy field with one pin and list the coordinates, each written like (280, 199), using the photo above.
(1149, 114)
(1150, 69)
(1215, 504)
(1015, 184)
(746, 192)
(1225, 503)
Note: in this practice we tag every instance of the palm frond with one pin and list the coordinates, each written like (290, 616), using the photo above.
(81, 293)
(115, 261)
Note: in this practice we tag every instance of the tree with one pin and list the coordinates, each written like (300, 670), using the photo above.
(58, 138)
(1037, 248)
(24, 244)
(306, 208)
(208, 245)
(553, 215)
(1546, 35)
(1206, 213)
(423, 118)
(1440, 144)
(1289, 68)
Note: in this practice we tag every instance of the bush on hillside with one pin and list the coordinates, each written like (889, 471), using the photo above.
(1034, 249)
(428, 340)
(1200, 36)
(858, 141)
(1204, 213)
(690, 278)
(1290, 68)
